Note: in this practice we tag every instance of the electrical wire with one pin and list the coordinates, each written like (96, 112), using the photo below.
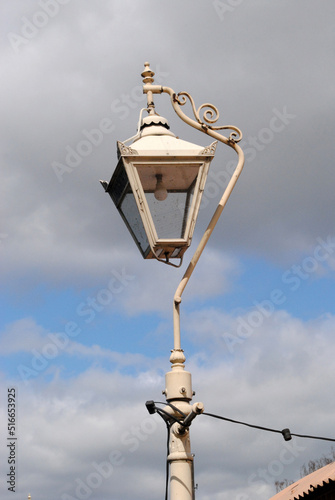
(167, 473)
(137, 135)
(267, 428)
(313, 437)
(162, 412)
(242, 423)
(172, 417)
(171, 406)
(286, 433)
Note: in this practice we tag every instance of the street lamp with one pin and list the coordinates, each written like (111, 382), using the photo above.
(157, 188)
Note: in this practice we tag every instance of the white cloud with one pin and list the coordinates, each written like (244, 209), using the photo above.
(154, 291)
(22, 335)
(276, 379)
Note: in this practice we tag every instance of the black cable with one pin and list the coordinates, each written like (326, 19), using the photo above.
(172, 417)
(152, 408)
(286, 433)
(162, 412)
(171, 406)
(313, 437)
(268, 429)
(242, 423)
(167, 462)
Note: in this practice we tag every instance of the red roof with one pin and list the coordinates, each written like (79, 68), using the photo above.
(307, 484)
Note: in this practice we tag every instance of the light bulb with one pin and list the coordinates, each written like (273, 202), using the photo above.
(160, 192)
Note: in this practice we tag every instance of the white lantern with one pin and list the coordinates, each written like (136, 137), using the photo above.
(157, 188)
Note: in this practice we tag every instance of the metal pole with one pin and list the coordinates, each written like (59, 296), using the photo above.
(178, 381)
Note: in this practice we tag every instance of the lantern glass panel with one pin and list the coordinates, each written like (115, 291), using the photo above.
(169, 192)
(130, 213)
(170, 215)
(123, 197)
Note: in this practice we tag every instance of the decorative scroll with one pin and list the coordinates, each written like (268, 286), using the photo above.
(125, 150)
(210, 150)
(208, 116)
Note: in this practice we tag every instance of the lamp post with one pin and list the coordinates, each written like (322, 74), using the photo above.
(157, 188)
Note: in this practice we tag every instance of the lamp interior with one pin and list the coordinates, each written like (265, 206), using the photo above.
(169, 212)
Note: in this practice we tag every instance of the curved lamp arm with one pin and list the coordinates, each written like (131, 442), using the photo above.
(203, 242)
(210, 116)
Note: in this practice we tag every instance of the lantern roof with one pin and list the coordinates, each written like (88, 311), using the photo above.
(155, 124)
(155, 138)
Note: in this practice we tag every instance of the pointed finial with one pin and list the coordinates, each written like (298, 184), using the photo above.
(147, 74)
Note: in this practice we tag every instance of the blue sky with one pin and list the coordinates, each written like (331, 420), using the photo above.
(86, 324)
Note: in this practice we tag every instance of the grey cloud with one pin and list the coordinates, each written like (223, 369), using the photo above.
(257, 59)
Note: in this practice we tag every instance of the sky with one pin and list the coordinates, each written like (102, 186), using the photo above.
(86, 323)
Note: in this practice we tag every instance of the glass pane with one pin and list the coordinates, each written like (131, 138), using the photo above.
(119, 183)
(170, 215)
(120, 192)
(129, 210)
(169, 190)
